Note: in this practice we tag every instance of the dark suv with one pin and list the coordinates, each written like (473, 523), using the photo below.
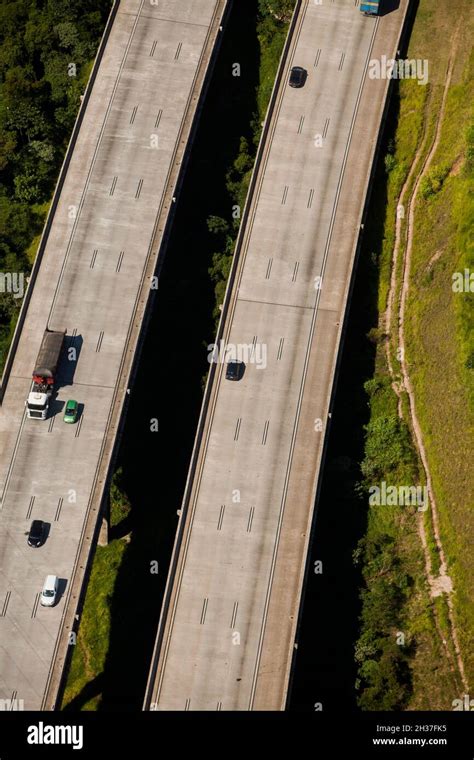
(298, 76)
(37, 532)
(234, 370)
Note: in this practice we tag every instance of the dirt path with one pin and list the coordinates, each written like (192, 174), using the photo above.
(442, 583)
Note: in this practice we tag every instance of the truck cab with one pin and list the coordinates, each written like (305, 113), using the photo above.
(37, 405)
(370, 7)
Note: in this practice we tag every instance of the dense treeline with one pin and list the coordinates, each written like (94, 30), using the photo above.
(384, 678)
(272, 26)
(46, 53)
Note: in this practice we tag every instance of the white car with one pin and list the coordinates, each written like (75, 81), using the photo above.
(50, 591)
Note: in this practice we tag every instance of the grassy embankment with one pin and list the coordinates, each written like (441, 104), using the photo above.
(420, 674)
(92, 641)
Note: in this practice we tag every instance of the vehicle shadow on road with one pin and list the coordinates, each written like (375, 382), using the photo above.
(388, 6)
(70, 358)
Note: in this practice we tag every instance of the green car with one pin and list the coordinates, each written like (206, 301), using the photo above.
(71, 410)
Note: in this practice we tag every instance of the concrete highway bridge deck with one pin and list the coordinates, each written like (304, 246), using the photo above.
(94, 281)
(228, 629)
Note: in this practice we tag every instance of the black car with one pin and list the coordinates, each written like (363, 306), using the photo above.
(234, 370)
(298, 76)
(37, 533)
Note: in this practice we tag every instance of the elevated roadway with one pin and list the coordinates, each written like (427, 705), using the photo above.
(94, 281)
(228, 629)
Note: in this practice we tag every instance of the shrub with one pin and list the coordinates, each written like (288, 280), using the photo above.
(433, 181)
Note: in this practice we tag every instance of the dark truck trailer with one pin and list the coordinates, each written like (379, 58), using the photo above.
(48, 357)
(370, 7)
(44, 374)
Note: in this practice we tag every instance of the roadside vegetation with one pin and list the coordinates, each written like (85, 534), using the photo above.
(46, 54)
(90, 651)
(272, 26)
(418, 669)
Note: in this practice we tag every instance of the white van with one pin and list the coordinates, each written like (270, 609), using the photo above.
(50, 591)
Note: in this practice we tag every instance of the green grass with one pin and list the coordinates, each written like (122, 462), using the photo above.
(440, 338)
(119, 501)
(439, 343)
(436, 349)
(402, 150)
(269, 59)
(40, 211)
(92, 645)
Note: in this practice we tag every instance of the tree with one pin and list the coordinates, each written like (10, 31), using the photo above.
(7, 147)
(279, 9)
(38, 105)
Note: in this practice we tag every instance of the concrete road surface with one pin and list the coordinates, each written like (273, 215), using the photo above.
(113, 207)
(229, 635)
